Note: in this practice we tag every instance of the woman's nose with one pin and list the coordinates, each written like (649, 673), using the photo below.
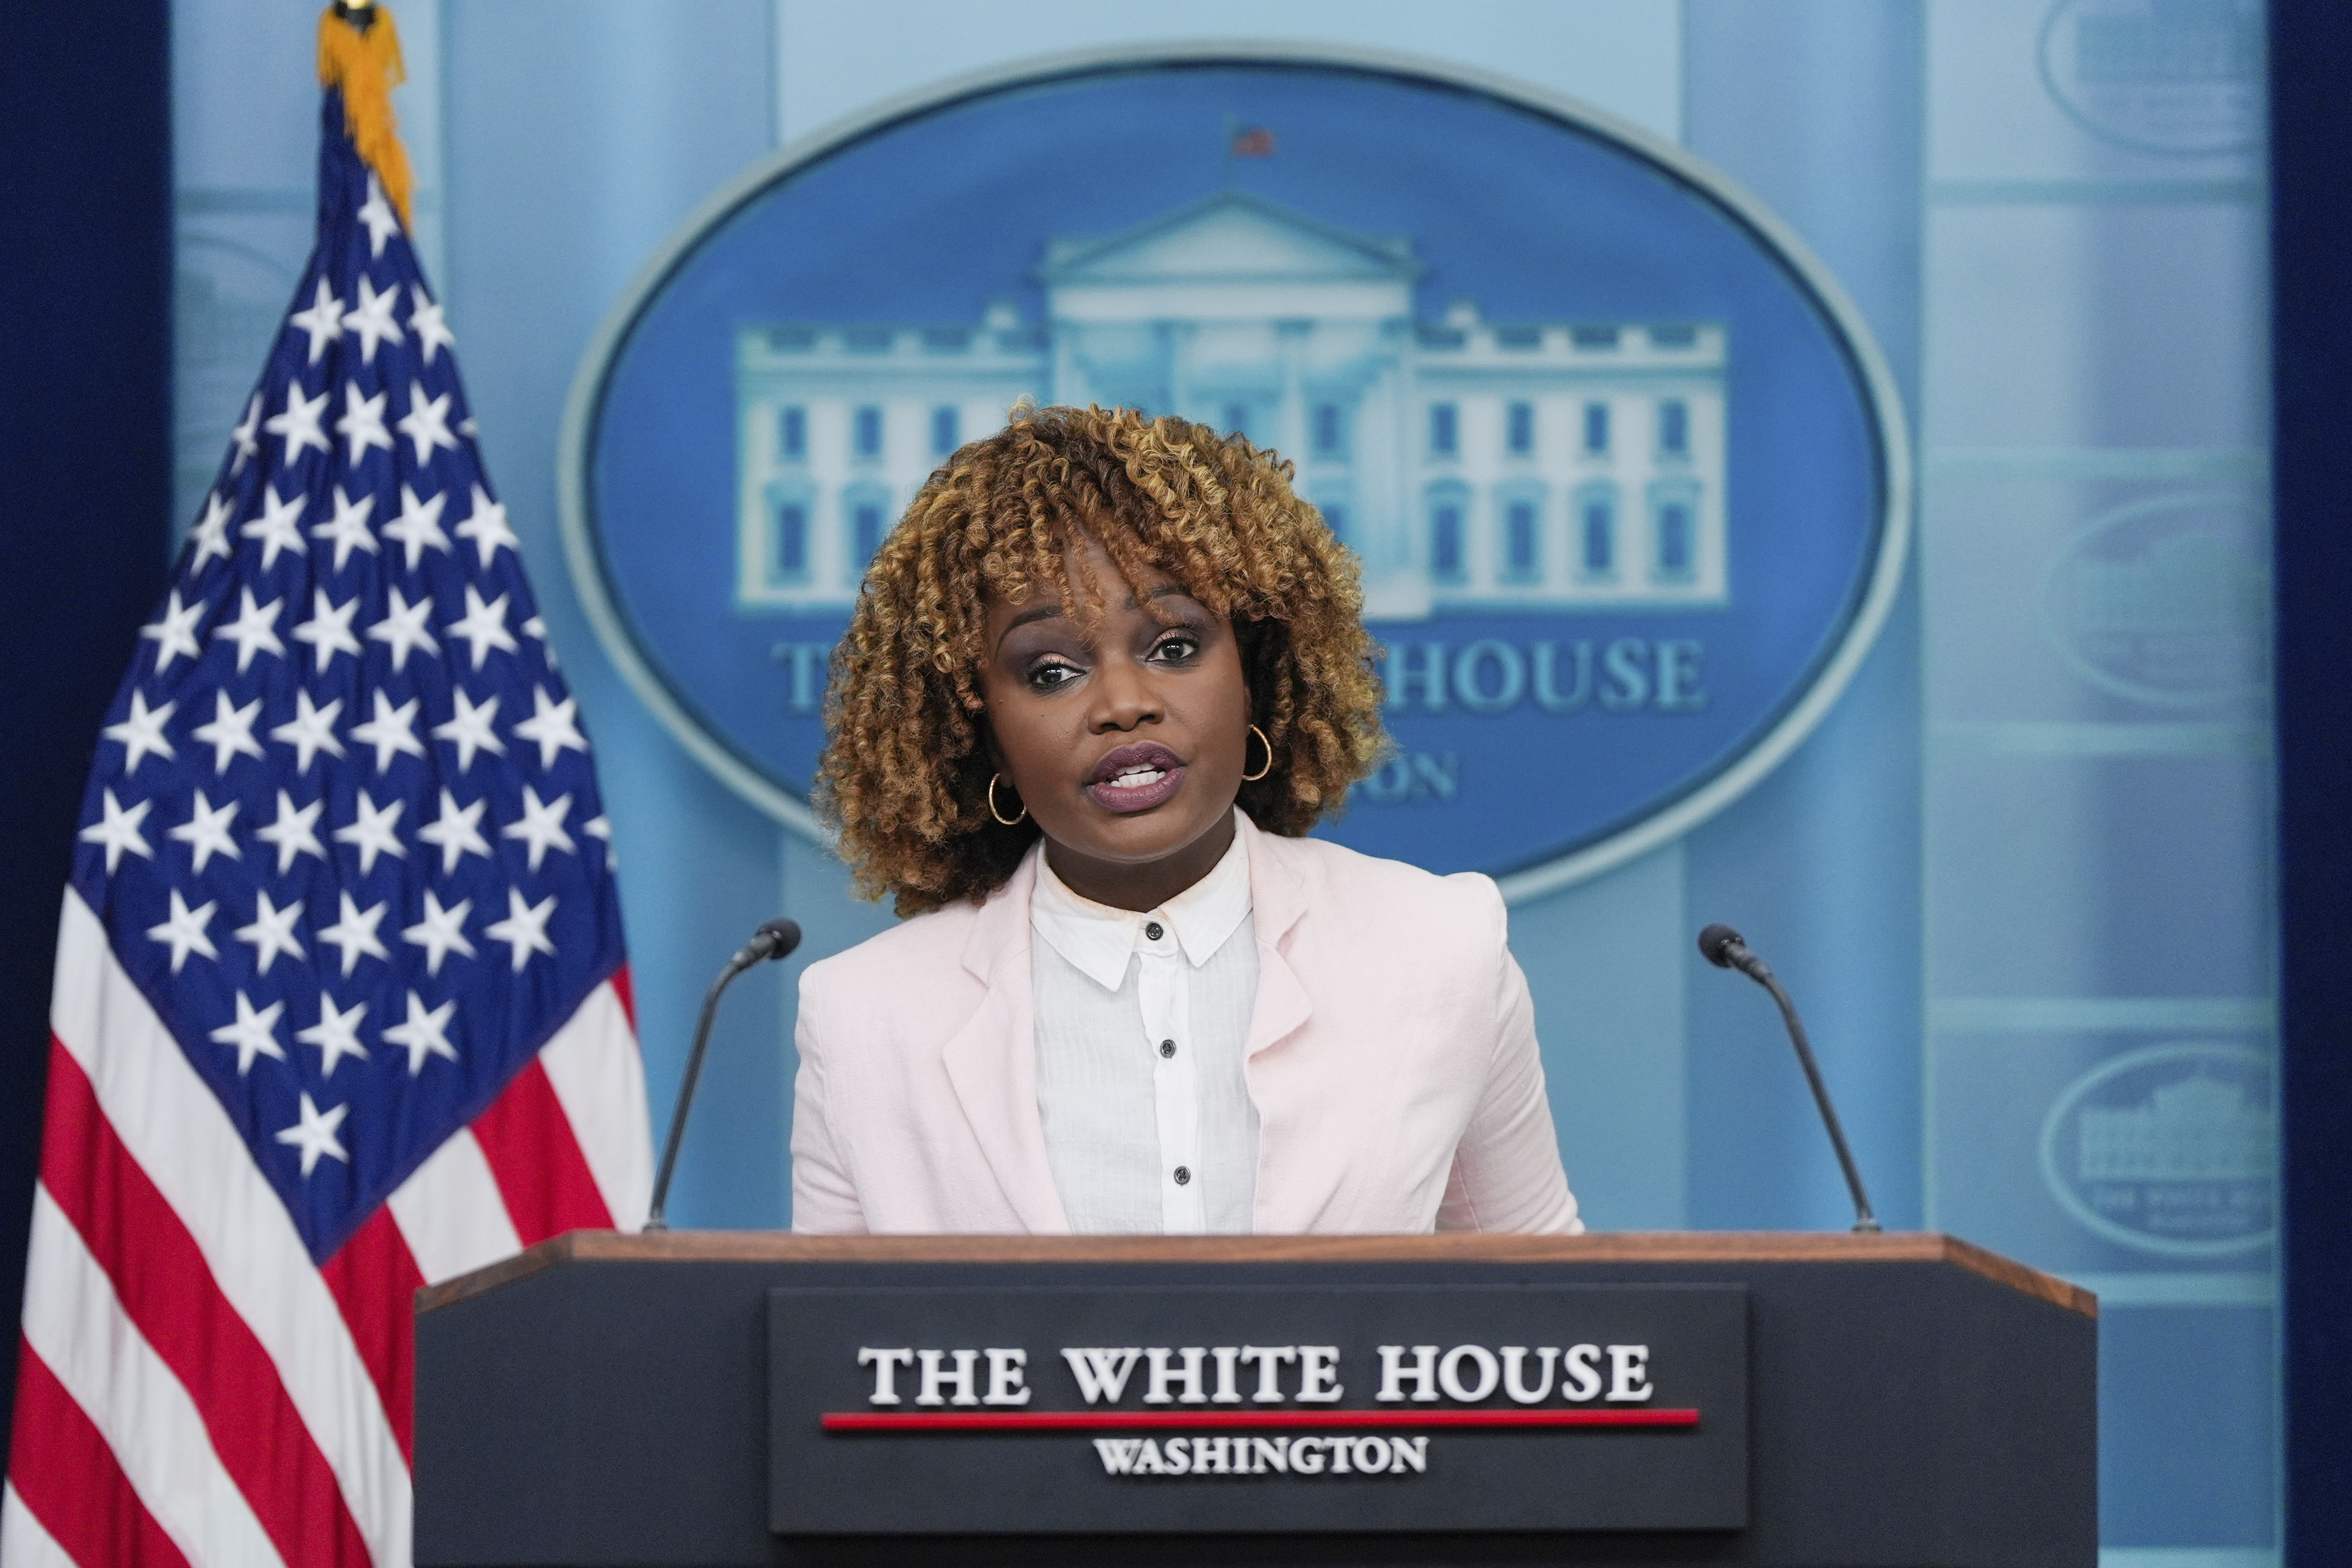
(1125, 696)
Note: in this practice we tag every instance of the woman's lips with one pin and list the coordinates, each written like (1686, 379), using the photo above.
(1135, 778)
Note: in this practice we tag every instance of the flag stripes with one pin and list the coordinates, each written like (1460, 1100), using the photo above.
(599, 1078)
(195, 1390)
(79, 1487)
(536, 1161)
(75, 1328)
(451, 1215)
(162, 1282)
(373, 1278)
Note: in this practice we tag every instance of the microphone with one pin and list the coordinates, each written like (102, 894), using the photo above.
(775, 939)
(1726, 948)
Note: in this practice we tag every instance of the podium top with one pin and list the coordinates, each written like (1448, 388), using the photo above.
(1452, 1248)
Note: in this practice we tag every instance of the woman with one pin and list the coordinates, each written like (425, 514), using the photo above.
(1103, 676)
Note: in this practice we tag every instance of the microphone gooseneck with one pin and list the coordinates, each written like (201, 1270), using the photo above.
(1727, 949)
(775, 939)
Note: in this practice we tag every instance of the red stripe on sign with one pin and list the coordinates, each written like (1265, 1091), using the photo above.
(1156, 1420)
(374, 1280)
(167, 1290)
(67, 1478)
(535, 1158)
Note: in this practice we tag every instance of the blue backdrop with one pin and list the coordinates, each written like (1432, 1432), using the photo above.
(2002, 869)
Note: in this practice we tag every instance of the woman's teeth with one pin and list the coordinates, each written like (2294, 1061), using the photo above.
(1135, 778)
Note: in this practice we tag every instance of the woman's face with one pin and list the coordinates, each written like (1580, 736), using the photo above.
(1126, 742)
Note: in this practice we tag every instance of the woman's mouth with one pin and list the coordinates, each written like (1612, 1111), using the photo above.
(1134, 778)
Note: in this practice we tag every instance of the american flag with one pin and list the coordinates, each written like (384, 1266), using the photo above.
(340, 1006)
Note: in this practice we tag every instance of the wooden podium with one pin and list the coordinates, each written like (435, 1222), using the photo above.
(1834, 1401)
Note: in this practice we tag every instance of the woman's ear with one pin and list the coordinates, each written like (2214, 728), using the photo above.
(988, 742)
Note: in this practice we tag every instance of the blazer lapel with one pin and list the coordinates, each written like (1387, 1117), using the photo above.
(1294, 1186)
(992, 1061)
(1277, 903)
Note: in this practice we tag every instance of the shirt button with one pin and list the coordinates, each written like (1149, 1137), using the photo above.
(1152, 932)
(1183, 1174)
(1167, 1048)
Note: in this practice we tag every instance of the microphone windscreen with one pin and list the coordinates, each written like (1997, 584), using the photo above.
(781, 936)
(1715, 942)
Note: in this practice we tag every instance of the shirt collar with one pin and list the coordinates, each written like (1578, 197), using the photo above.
(1096, 939)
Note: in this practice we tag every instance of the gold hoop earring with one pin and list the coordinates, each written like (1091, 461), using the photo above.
(1253, 778)
(1001, 817)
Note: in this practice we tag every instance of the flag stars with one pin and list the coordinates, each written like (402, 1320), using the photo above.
(418, 526)
(230, 734)
(255, 1034)
(362, 425)
(141, 733)
(601, 829)
(391, 731)
(426, 423)
(183, 933)
(314, 1134)
(210, 536)
(372, 320)
(439, 934)
(173, 632)
(483, 626)
(348, 529)
(486, 525)
(552, 727)
(328, 629)
(541, 827)
(525, 928)
(377, 217)
(206, 831)
(374, 832)
(117, 830)
(469, 729)
(336, 1034)
(277, 526)
(310, 730)
(271, 933)
(253, 630)
(245, 441)
(423, 1034)
(433, 333)
(354, 932)
(298, 425)
(294, 832)
(402, 629)
(323, 322)
(456, 833)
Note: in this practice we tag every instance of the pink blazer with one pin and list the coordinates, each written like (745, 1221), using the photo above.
(1392, 1057)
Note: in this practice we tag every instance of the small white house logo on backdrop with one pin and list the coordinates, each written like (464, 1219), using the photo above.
(2172, 1149)
(2166, 602)
(2159, 76)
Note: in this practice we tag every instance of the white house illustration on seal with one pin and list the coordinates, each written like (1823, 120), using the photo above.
(1471, 465)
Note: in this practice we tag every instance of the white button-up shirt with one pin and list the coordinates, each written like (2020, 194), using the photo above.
(1141, 1021)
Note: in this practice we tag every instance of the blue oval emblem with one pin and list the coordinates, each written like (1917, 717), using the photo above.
(2183, 77)
(2166, 601)
(1627, 478)
(2170, 1149)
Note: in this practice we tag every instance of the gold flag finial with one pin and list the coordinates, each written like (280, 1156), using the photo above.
(359, 53)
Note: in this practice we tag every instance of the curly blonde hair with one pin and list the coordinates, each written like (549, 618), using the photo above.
(904, 780)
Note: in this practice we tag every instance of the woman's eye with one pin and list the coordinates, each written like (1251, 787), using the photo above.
(1047, 676)
(1176, 649)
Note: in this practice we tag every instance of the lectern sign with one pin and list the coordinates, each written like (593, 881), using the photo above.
(1037, 1410)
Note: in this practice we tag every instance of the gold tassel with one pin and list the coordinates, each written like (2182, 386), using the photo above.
(366, 66)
